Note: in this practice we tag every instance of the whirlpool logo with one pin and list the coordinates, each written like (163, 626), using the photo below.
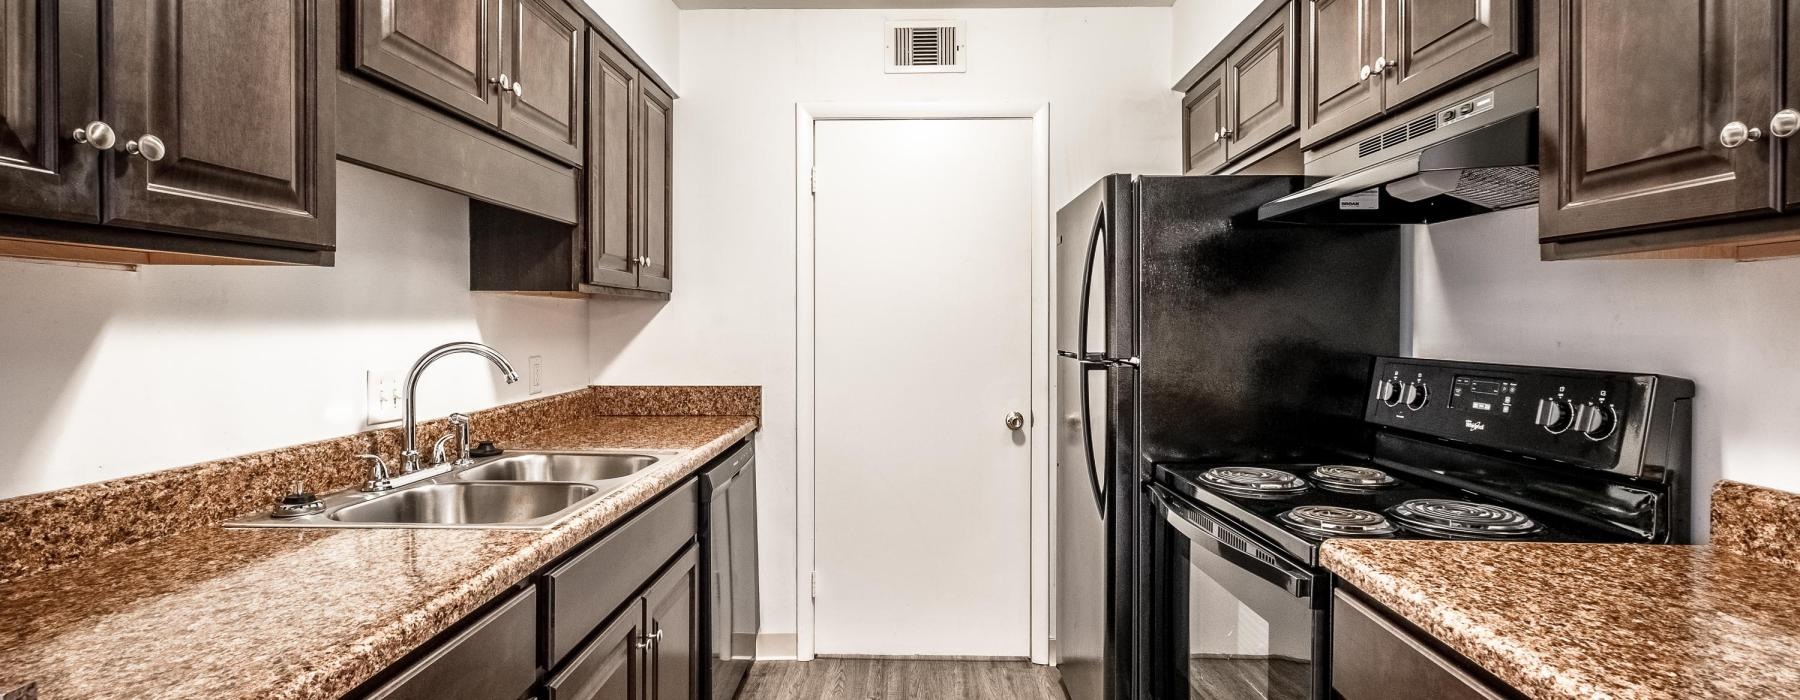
(1474, 425)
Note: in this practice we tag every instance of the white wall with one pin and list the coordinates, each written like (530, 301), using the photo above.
(731, 320)
(652, 28)
(1482, 294)
(1196, 26)
(109, 373)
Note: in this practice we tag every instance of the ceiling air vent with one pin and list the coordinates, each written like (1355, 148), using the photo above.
(927, 46)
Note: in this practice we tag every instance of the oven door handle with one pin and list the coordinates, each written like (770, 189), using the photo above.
(1221, 539)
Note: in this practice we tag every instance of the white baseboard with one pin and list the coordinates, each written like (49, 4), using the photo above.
(783, 646)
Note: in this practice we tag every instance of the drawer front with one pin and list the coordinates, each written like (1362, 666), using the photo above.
(495, 658)
(1369, 654)
(587, 589)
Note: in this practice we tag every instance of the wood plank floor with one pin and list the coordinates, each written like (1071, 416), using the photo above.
(900, 679)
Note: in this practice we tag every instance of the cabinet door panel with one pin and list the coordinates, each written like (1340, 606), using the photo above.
(1344, 36)
(1204, 124)
(1259, 79)
(612, 97)
(1791, 100)
(47, 90)
(440, 49)
(656, 122)
(1432, 43)
(240, 95)
(672, 605)
(1625, 146)
(609, 668)
(545, 59)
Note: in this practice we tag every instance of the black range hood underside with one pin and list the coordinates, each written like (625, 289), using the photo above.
(1509, 143)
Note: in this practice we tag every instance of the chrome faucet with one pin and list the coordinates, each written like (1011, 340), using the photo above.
(409, 456)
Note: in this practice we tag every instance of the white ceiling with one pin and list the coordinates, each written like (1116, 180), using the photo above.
(904, 4)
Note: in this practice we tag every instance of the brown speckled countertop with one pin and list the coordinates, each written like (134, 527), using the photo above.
(278, 613)
(1597, 620)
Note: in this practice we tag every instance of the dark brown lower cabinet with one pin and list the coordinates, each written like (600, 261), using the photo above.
(672, 606)
(612, 667)
(1375, 658)
(618, 618)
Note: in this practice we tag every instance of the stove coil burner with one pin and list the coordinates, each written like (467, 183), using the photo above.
(1345, 477)
(1447, 518)
(1253, 481)
(1332, 521)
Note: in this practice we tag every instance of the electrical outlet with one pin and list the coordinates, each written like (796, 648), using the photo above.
(535, 372)
(385, 400)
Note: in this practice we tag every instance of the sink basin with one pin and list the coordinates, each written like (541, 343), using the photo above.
(466, 504)
(559, 467)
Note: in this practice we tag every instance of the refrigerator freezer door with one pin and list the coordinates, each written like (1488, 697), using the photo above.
(1081, 555)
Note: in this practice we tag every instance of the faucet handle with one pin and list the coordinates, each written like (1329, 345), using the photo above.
(439, 452)
(378, 473)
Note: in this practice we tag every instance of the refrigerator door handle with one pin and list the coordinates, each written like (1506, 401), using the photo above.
(1090, 362)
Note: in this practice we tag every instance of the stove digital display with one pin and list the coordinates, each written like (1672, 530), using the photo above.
(1485, 395)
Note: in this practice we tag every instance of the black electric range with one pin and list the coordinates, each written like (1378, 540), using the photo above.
(1453, 451)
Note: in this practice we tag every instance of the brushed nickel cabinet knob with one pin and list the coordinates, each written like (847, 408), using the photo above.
(98, 135)
(148, 147)
(1784, 123)
(1737, 134)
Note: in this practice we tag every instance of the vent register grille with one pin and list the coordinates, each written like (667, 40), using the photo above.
(1397, 135)
(925, 47)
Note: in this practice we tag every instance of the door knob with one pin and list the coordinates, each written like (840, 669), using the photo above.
(1784, 123)
(1015, 420)
(1363, 75)
(98, 135)
(518, 89)
(504, 81)
(1737, 134)
(147, 147)
(1382, 65)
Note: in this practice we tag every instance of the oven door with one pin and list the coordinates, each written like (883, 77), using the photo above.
(1235, 619)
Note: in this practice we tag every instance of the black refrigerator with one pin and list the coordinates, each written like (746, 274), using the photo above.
(1187, 330)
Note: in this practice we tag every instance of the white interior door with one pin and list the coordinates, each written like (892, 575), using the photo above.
(922, 331)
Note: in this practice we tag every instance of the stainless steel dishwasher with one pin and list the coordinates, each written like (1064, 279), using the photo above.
(728, 537)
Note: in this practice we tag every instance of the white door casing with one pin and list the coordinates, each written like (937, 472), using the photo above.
(923, 314)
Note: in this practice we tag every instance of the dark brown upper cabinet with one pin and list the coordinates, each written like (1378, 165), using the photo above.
(1260, 87)
(1241, 99)
(223, 112)
(656, 144)
(214, 142)
(1203, 124)
(1366, 58)
(440, 50)
(1432, 44)
(1337, 66)
(1655, 113)
(47, 80)
(609, 221)
(542, 61)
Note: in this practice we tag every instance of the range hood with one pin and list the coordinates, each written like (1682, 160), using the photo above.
(1470, 156)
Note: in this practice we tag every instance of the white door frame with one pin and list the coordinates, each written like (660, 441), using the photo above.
(806, 115)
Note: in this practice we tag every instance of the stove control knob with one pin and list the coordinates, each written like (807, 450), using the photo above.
(1415, 395)
(1388, 390)
(1556, 415)
(1596, 421)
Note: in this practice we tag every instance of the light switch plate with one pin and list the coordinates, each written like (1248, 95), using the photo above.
(536, 374)
(385, 400)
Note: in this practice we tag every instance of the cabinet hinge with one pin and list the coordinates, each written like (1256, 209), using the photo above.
(814, 584)
(814, 180)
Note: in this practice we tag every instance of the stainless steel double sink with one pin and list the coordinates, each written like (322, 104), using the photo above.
(516, 490)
